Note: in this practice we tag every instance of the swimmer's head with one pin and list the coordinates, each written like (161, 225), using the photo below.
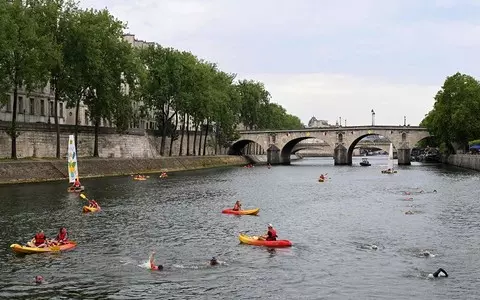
(213, 261)
(374, 247)
(38, 279)
(159, 267)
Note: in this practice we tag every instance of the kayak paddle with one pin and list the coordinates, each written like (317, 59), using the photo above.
(84, 197)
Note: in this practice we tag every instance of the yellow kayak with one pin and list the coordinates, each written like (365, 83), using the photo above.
(87, 209)
(31, 250)
(241, 212)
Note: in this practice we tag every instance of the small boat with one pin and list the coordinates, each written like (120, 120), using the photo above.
(72, 166)
(31, 250)
(139, 178)
(365, 162)
(87, 209)
(390, 169)
(253, 240)
(72, 189)
(253, 212)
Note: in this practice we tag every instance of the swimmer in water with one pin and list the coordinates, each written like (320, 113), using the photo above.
(434, 191)
(152, 263)
(213, 261)
(38, 279)
(427, 253)
(409, 212)
(439, 273)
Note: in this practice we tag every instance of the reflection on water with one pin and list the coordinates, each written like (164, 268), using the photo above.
(351, 236)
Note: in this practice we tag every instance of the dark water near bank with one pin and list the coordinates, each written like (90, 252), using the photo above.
(331, 224)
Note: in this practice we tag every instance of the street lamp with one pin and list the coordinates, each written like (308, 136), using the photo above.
(404, 120)
(373, 118)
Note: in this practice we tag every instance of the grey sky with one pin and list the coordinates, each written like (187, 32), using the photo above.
(327, 59)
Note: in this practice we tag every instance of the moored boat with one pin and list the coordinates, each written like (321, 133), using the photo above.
(32, 250)
(365, 162)
(241, 212)
(255, 241)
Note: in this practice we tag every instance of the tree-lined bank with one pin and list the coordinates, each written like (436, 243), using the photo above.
(82, 55)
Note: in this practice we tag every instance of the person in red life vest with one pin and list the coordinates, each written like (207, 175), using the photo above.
(322, 177)
(62, 236)
(76, 184)
(237, 205)
(152, 263)
(93, 203)
(39, 240)
(271, 234)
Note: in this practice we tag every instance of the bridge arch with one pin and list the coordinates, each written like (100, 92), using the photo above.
(356, 141)
(287, 150)
(241, 147)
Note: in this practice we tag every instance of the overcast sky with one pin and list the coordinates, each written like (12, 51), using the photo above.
(327, 59)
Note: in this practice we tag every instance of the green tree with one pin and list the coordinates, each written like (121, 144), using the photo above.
(454, 117)
(253, 95)
(24, 53)
(55, 17)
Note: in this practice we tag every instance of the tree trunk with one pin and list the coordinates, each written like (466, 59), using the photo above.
(200, 141)
(13, 129)
(188, 135)
(173, 135)
(205, 141)
(180, 153)
(77, 112)
(95, 145)
(195, 140)
(216, 139)
(57, 125)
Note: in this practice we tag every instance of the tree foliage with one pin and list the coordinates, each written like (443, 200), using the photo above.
(83, 55)
(454, 117)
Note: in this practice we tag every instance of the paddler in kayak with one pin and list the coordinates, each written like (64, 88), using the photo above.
(39, 241)
(93, 203)
(271, 234)
(237, 206)
(62, 236)
(152, 263)
(76, 184)
(322, 177)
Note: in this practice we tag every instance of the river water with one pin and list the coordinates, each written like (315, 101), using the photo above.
(332, 226)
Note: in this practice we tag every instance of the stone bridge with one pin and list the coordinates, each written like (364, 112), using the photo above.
(323, 147)
(280, 144)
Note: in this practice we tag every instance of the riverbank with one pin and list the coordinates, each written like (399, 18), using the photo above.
(39, 170)
(467, 161)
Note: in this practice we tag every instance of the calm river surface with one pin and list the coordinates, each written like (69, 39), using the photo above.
(331, 225)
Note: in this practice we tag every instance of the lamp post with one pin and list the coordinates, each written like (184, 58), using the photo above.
(404, 120)
(373, 118)
(340, 121)
(345, 122)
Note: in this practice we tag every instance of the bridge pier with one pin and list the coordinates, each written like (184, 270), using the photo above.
(273, 155)
(340, 155)
(403, 155)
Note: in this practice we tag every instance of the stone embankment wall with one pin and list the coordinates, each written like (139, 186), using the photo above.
(39, 140)
(467, 161)
(49, 170)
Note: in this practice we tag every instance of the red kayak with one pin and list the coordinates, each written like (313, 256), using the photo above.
(253, 240)
(241, 212)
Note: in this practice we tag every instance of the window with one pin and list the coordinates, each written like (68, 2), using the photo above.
(21, 108)
(51, 110)
(61, 109)
(9, 103)
(42, 107)
(32, 106)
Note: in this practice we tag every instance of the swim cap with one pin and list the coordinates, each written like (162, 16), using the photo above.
(270, 225)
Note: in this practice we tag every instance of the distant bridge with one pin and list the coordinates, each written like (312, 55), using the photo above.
(321, 148)
(279, 144)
